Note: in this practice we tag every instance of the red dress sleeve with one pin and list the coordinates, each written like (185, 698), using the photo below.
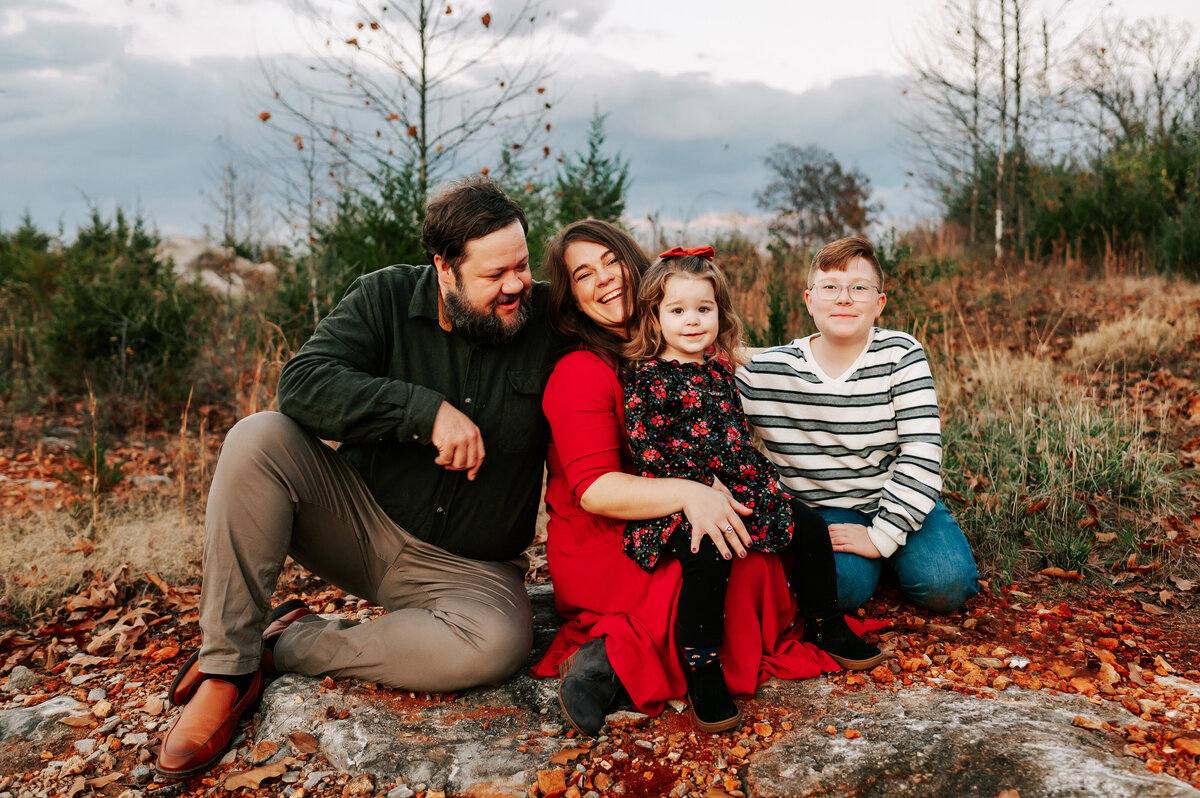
(583, 403)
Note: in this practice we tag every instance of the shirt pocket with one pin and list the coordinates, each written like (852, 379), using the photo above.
(523, 427)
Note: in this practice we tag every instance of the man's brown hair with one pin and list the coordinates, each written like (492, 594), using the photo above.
(467, 209)
(836, 256)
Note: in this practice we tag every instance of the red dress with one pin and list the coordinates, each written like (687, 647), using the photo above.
(601, 592)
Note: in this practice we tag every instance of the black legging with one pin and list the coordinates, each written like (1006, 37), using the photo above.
(701, 616)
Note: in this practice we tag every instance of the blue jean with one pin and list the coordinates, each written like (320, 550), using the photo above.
(934, 569)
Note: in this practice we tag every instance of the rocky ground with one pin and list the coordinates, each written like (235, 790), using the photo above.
(1044, 688)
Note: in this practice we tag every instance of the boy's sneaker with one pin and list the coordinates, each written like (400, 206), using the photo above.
(833, 636)
(713, 709)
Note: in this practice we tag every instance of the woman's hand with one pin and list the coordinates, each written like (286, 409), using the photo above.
(715, 513)
(853, 538)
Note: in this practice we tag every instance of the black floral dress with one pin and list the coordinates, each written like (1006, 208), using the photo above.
(685, 420)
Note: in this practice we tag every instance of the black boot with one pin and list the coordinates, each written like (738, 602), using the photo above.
(588, 687)
(833, 636)
(713, 709)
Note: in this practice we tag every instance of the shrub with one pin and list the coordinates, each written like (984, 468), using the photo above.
(119, 319)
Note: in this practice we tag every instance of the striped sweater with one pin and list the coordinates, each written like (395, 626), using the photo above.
(869, 440)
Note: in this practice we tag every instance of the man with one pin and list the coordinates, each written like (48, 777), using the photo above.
(430, 378)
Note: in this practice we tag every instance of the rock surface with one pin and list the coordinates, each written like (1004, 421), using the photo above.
(41, 721)
(925, 741)
(219, 269)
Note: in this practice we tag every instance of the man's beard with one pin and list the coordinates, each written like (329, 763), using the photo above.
(484, 325)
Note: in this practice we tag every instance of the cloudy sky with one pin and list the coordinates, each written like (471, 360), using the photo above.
(137, 103)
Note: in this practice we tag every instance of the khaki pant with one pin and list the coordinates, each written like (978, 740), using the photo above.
(451, 622)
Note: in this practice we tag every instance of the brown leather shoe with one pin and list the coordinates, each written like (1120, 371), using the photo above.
(186, 681)
(189, 677)
(202, 732)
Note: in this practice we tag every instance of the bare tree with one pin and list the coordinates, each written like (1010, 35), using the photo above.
(1137, 79)
(977, 101)
(419, 82)
(233, 192)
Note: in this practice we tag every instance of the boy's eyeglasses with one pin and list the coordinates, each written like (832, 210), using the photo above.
(859, 292)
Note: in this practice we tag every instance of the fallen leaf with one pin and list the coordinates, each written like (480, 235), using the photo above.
(763, 729)
(1153, 609)
(1183, 584)
(853, 734)
(1088, 723)
(104, 781)
(77, 786)
(565, 756)
(1059, 573)
(1009, 794)
(263, 751)
(1188, 744)
(303, 742)
(253, 778)
(486, 19)
(264, 116)
(76, 721)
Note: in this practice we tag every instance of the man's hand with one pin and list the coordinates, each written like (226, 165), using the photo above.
(459, 444)
(853, 538)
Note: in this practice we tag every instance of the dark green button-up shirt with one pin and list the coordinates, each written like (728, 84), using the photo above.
(373, 376)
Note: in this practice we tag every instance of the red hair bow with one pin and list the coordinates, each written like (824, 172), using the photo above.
(679, 252)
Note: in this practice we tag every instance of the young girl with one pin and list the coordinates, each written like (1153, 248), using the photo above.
(684, 419)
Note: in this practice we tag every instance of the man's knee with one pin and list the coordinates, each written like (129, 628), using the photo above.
(262, 431)
(500, 652)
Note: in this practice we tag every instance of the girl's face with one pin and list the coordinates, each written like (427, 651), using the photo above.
(597, 284)
(689, 318)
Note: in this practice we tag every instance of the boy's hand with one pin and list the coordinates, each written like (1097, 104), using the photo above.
(853, 538)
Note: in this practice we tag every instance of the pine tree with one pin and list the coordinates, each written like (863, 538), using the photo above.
(592, 185)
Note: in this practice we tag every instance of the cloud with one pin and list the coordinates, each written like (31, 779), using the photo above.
(84, 120)
(696, 145)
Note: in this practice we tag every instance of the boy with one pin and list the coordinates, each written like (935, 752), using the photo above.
(849, 416)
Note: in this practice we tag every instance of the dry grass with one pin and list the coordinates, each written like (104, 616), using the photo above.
(43, 555)
(1161, 327)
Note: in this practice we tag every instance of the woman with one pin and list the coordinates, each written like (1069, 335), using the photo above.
(620, 622)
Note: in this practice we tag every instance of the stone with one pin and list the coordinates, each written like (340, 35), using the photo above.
(86, 745)
(400, 791)
(97, 694)
(359, 786)
(315, 778)
(219, 269)
(141, 774)
(20, 679)
(38, 722)
(135, 738)
(923, 740)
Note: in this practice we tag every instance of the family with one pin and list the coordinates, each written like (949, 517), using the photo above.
(686, 564)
